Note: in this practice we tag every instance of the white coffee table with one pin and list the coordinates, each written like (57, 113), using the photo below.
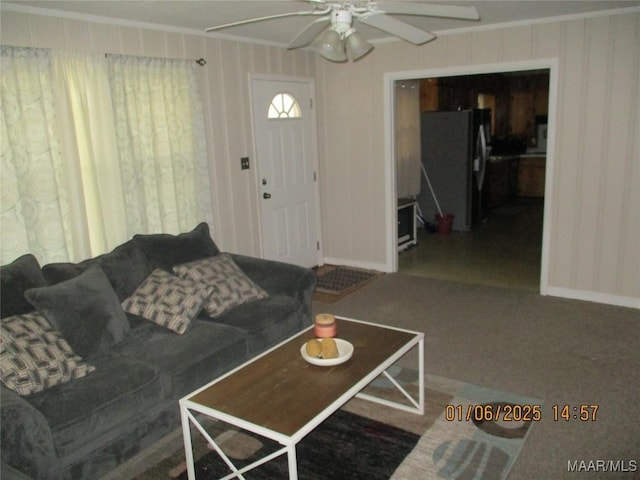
(280, 396)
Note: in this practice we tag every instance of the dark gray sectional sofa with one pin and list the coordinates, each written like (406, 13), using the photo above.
(87, 426)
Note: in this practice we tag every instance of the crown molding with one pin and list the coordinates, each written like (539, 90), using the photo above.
(121, 22)
(15, 7)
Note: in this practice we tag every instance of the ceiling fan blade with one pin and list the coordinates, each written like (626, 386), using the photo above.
(306, 36)
(259, 19)
(429, 10)
(397, 28)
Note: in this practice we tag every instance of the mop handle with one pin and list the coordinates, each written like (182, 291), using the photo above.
(424, 172)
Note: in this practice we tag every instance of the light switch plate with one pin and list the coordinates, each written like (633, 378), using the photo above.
(244, 163)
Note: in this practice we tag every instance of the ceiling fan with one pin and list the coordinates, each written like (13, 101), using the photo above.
(337, 40)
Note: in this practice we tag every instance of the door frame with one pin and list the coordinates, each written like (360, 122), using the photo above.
(390, 78)
(314, 139)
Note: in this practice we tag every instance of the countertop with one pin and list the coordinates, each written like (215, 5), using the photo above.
(501, 158)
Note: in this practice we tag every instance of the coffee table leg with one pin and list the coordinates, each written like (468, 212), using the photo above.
(188, 448)
(293, 463)
(417, 405)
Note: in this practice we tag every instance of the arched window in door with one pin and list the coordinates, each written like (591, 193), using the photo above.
(284, 105)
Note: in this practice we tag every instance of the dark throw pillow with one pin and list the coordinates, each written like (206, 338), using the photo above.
(85, 310)
(231, 287)
(167, 300)
(169, 250)
(34, 357)
(16, 277)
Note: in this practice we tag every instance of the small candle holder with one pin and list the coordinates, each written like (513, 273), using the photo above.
(325, 326)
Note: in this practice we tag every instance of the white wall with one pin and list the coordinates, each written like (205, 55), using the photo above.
(593, 224)
(225, 92)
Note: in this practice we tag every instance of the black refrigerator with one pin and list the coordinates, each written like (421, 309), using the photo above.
(455, 151)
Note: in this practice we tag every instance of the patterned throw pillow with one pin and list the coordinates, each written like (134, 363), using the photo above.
(167, 300)
(34, 357)
(231, 287)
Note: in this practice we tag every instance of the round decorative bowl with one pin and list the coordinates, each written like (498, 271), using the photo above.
(345, 351)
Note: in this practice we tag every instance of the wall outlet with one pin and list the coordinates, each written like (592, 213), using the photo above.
(244, 163)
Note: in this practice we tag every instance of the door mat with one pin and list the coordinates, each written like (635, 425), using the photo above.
(441, 444)
(342, 279)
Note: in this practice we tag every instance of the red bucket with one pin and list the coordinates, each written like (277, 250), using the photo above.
(445, 223)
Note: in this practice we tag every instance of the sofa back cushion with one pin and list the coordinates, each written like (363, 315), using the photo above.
(126, 267)
(15, 278)
(85, 310)
(169, 250)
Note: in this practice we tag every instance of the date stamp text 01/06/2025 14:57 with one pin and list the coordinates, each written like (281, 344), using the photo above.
(519, 413)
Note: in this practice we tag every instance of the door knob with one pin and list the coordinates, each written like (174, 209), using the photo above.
(266, 195)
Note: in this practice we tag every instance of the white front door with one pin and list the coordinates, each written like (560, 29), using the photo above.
(284, 126)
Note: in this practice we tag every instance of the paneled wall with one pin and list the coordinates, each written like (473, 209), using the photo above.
(225, 92)
(592, 224)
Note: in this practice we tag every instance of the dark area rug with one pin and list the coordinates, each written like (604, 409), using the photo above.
(346, 446)
(341, 279)
(366, 440)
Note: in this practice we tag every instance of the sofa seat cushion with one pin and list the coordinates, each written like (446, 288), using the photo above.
(266, 321)
(187, 361)
(85, 411)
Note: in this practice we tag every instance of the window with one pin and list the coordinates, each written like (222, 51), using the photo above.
(126, 154)
(284, 105)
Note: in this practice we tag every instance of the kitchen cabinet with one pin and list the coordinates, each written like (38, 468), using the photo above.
(429, 95)
(522, 114)
(531, 175)
(501, 180)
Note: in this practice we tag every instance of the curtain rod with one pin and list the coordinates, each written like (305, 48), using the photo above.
(200, 61)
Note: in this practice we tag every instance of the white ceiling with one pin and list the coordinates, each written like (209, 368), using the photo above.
(193, 16)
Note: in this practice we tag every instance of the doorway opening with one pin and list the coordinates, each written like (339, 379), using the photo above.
(508, 247)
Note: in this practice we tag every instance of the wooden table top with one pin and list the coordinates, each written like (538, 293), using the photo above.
(280, 391)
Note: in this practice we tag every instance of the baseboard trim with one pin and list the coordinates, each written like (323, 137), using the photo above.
(596, 297)
(561, 292)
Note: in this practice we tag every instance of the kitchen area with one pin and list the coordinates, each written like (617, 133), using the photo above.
(500, 241)
(518, 102)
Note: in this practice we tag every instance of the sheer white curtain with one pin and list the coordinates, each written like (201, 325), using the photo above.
(407, 141)
(34, 207)
(161, 143)
(84, 106)
(95, 150)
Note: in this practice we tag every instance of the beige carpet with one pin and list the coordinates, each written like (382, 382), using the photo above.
(567, 352)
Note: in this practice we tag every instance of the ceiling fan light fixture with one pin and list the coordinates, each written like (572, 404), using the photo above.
(357, 46)
(330, 46)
